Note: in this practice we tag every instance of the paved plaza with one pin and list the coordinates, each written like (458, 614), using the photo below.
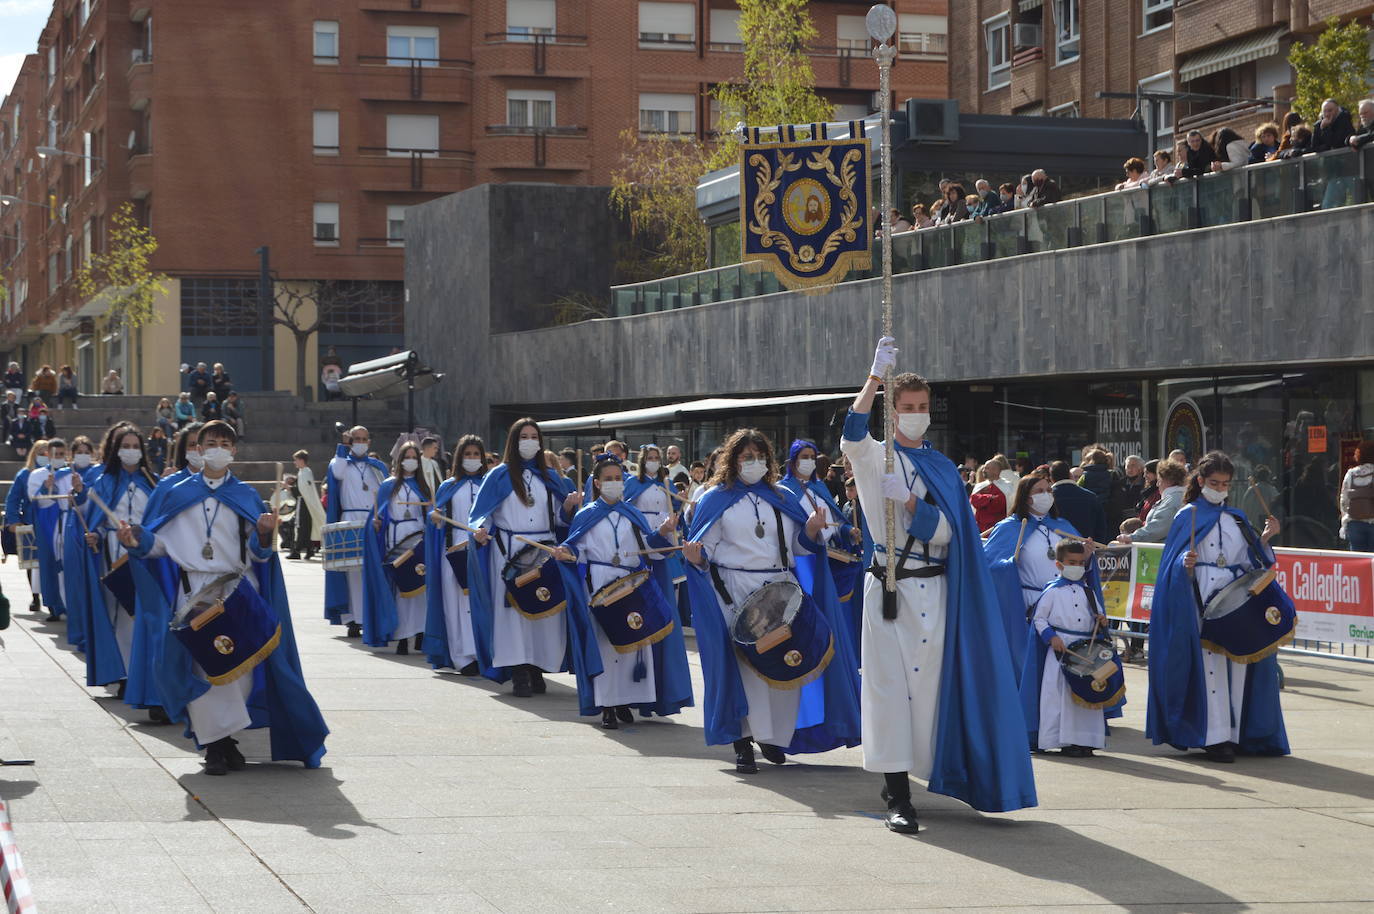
(445, 794)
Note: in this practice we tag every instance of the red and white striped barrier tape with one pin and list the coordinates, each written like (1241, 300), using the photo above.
(18, 895)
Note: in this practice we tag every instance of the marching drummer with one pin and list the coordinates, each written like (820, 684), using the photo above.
(638, 634)
(1201, 698)
(19, 512)
(402, 503)
(353, 479)
(209, 526)
(448, 621)
(1068, 611)
(50, 492)
(747, 534)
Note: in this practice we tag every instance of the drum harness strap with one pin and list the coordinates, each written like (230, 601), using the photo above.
(1092, 608)
(243, 556)
(933, 567)
(1256, 556)
(643, 561)
(782, 556)
(548, 491)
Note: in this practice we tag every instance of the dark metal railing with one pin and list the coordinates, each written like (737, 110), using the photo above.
(540, 136)
(416, 66)
(539, 41)
(381, 242)
(415, 157)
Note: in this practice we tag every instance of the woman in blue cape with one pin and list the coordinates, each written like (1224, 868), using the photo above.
(522, 636)
(1020, 555)
(841, 536)
(208, 526)
(49, 488)
(448, 640)
(1199, 697)
(638, 636)
(85, 470)
(649, 490)
(745, 534)
(403, 501)
(19, 510)
(361, 597)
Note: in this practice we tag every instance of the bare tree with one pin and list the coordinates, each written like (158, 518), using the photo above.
(336, 305)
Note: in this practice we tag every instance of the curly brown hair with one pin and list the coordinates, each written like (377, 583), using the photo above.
(727, 464)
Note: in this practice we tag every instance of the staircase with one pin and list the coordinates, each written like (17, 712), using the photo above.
(276, 425)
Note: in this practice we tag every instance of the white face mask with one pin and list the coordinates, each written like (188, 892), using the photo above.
(751, 471)
(195, 460)
(913, 425)
(409, 464)
(57, 463)
(651, 467)
(217, 458)
(360, 448)
(40, 461)
(130, 456)
(471, 464)
(612, 490)
(1041, 502)
(1073, 572)
(1213, 496)
(805, 467)
(528, 448)
(81, 461)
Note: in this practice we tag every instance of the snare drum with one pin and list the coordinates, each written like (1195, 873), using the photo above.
(846, 568)
(1250, 618)
(534, 585)
(1094, 673)
(405, 566)
(227, 628)
(783, 636)
(119, 580)
(457, 557)
(27, 541)
(341, 545)
(630, 611)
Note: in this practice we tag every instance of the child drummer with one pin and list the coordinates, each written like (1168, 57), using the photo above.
(1069, 609)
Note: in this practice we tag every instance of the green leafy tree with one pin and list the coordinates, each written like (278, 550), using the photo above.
(123, 272)
(1336, 66)
(655, 187)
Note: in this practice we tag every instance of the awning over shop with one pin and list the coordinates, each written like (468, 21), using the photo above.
(1232, 54)
(686, 410)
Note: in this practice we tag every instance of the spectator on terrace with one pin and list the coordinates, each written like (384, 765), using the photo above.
(894, 218)
(1299, 142)
(221, 383)
(44, 383)
(185, 410)
(937, 210)
(1231, 150)
(199, 383)
(1043, 189)
(113, 385)
(14, 380)
(1266, 144)
(1290, 120)
(988, 201)
(920, 218)
(211, 409)
(66, 388)
(955, 209)
(1196, 156)
(1023, 189)
(1164, 167)
(1006, 198)
(1135, 173)
(1333, 128)
(1366, 132)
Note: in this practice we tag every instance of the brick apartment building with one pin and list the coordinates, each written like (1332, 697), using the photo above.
(310, 127)
(1054, 57)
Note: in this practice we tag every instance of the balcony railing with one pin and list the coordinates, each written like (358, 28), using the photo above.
(539, 43)
(415, 157)
(416, 65)
(539, 135)
(1323, 181)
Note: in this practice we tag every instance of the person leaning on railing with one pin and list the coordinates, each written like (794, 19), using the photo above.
(1266, 144)
(1333, 128)
(1290, 120)
(1299, 143)
(1164, 167)
(1232, 151)
(1366, 132)
(1196, 156)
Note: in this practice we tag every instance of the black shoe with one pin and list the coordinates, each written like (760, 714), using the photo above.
(355, 630)
(232, 756)
(1076, 751)
(215, 762)
(901, 818)
(470, 670)
(772, 753)
(744, 757)
(625, 714)
(1220, 752)
(520, 682)
(403, 646)
(420, 641)
(36, 604)
(537, 684)
(158, 715)
(293, 555)
(53, 617)
(608, 720)
(119, 692)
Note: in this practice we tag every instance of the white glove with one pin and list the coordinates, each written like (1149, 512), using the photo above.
(895, 488)
(885, 357)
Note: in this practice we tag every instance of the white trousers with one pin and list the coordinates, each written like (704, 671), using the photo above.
(1225, 684)
(222, 711)
(410, 616)
(617, 686)
(355, 596)
(457, 620)
(519, 640)
(1062, 721)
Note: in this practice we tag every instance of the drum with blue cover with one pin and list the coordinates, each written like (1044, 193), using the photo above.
(1094, 673)
(457, 556)
(534, 585)
(405, 566)
(119, 581)
(1250, 618)
(630, 610)
(227, 628)
(781, 633)
(846, 567)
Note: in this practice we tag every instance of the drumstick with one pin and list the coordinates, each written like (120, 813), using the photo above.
(85, 528)
(105, 509)
(657, 551)
(51, 497)
(1254, 487)
(526, 540)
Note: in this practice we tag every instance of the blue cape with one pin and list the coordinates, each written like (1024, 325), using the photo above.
(280, 698)
(46, 514)
(672, 566)
(495, 487)
(76, 580)
(828, 716)
(375, 585)
(1177, 709)
(806, 490)
(150, 628)
(18, 508)
(1000, 550)
(672, 677)
(981, 756)
(435, 644)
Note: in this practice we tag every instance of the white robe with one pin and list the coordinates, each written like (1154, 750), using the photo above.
(901, 659)
(128, 506)
(457, 603)
(1062, 721)
(1225, 678)
(61, 486)
(310, 499)
(406, 519)
(223, 709)
(358, 484)
(614, 535)
(516, 639)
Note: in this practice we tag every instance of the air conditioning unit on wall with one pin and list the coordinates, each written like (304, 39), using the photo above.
(1027, 35)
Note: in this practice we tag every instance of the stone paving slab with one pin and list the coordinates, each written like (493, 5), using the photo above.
(441, 793)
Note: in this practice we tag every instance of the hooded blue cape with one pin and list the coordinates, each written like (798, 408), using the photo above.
(672, 678)
(495, 487)
(828, 716)
(1000, 550)
(1177, 709)
(376, 589)
(436, 647)
(46, 514)
(671, 567)
(852, 610)
(280, 698)
(150, 628)
(18, 508)
(77, 578)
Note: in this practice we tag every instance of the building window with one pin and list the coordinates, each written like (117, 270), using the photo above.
(326, 41)
(851, 33)
(395, 226)
(327, 224)
(1158, 14)
(86, 244)
(52, 64)
(326, 129)
(405, 44)
(219, 307)
(1065, 30)
(1163, 110)
(997, 37)
(358, 306)
(1066, 110)
(530, 108)
(87, 149)
(663, 112)
(527, 18)
(52, 272)
(922, 36)
(407, 133)
(725, 31)
(667, 24)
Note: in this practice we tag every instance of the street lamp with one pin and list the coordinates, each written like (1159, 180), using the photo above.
(881, 23)
(7, 200)
(45, 151)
